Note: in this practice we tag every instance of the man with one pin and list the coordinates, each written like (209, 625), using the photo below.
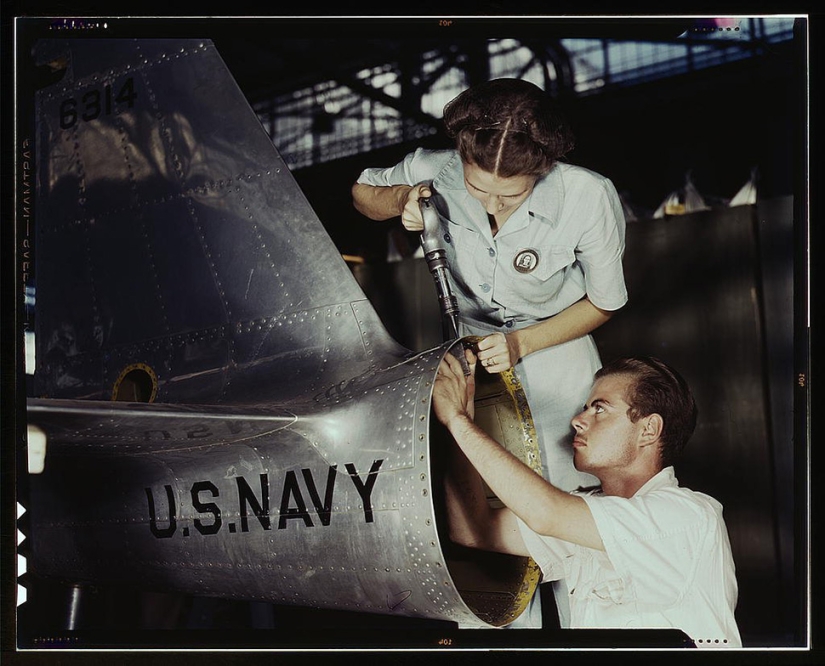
(637, 552)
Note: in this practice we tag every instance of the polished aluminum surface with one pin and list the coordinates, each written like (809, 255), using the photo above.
(178, 199)
(225, 413)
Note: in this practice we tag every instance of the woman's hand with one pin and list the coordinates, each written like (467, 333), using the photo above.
(498, 352)
(383, 202)
(411, 213)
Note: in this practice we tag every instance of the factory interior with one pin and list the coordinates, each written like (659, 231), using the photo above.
(700, 124)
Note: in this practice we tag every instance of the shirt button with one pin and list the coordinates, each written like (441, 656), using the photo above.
(509, 323)
(491, 251)
(448, 238)
(485, 287)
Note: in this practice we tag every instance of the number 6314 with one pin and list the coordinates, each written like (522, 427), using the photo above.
(95, 103)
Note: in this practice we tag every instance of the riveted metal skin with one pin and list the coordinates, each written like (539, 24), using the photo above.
(287, 451)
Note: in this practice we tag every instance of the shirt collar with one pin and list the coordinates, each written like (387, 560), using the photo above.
(451, 176)
(546, 200)
(666, 478)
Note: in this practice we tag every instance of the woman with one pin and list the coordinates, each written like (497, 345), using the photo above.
(534, 245)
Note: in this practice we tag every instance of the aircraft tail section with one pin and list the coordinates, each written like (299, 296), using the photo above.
(172, 236)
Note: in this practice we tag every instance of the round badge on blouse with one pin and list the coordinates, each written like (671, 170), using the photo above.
(526, 261)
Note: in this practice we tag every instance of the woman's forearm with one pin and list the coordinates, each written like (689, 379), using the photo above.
(379, 203)
(577, 320)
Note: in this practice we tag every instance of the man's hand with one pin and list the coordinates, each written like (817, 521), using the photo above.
(454, 391)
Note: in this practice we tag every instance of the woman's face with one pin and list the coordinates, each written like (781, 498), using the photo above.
(499, 196)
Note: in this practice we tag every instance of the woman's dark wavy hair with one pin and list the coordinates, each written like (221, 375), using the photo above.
(508, 127)
(658, 389)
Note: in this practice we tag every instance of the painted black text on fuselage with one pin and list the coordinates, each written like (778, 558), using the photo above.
(103, 100)
(293, 505)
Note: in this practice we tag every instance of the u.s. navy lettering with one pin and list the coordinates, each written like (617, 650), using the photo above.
(253, 497)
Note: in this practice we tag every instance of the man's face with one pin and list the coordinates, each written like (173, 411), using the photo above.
(605, 437)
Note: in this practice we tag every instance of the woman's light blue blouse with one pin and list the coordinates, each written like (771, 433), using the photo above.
(564, 242)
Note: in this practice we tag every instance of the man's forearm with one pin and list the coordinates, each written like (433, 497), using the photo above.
(546, 509)
(473, 522)
(512, 481)
(468, 510)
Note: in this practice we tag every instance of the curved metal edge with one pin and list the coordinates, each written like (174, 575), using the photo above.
(531, 456)
(532, 573)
